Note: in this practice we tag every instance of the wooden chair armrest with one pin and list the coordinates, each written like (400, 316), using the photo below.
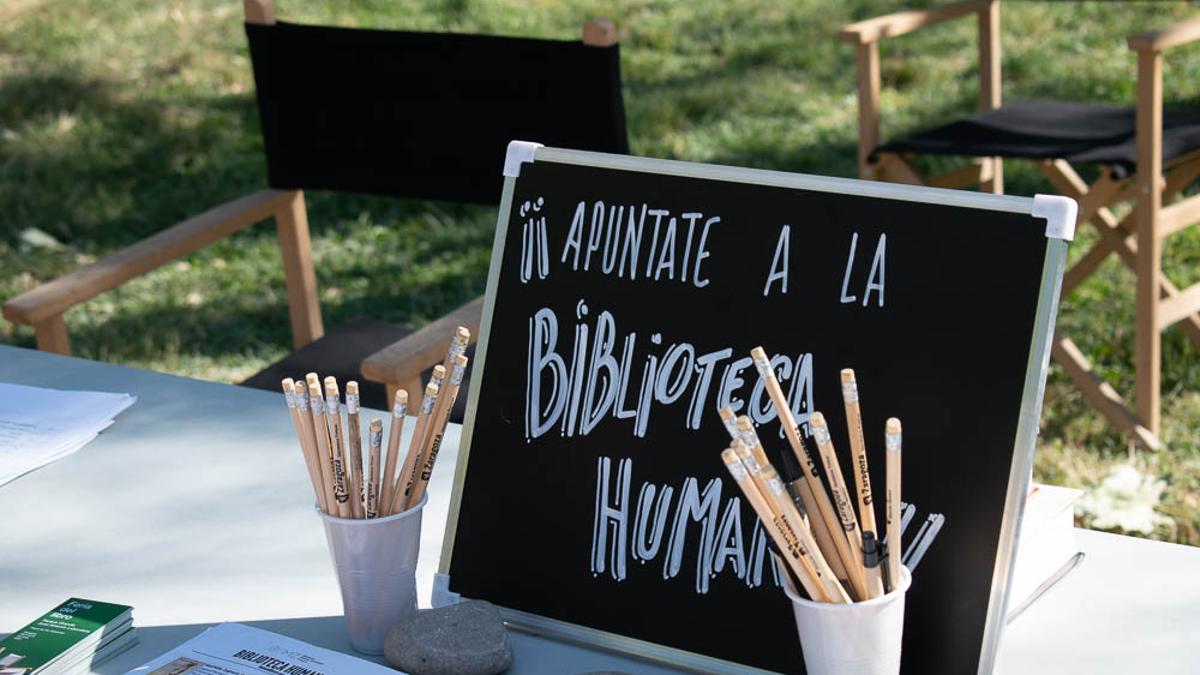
(1171, 36)
(402, 361)
(900, 23)
(56, 296)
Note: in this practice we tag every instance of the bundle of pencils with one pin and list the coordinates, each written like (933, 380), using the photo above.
(332, 447)
(835, 554)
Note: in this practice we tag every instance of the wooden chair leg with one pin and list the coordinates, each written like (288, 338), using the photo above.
(994, 183)
(895, 168)
(416, 389)
(52, 336)
(989, 85)
(867, 64)
(1148, 350)
(1100, 393)
(291, 224)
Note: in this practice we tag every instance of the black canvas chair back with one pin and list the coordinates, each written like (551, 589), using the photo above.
(416, 115)
(424, 115)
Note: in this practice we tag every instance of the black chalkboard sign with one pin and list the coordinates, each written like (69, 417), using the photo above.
(624, 297)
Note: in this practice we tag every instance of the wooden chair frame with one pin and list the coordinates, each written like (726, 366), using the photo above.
(1137, 239)
(43, 307)
(398, 365)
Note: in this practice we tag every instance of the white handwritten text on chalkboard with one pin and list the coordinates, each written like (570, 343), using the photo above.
(619, 242)
(623, 530)
(875, 279)
(577, 388)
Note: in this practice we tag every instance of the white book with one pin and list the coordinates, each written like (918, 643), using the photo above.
(1046, 546)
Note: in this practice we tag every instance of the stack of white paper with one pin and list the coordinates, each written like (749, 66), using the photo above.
(235, 649)
(39, 426)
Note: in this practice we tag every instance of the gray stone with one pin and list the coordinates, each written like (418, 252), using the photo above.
(467, 638)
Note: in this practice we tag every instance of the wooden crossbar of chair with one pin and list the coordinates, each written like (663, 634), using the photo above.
(43, 307)
(1137, 238)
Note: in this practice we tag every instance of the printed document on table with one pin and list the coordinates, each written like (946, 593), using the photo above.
(39, 426)
(236, 649)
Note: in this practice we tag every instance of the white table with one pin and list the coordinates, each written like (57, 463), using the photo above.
(195, 508)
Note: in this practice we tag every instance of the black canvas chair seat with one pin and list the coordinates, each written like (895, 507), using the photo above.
(339, 353)
(1048, 129)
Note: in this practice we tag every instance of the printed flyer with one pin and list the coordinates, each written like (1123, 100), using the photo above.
(235, 649)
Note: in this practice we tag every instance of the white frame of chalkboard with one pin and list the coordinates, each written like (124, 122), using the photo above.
(1059, 212)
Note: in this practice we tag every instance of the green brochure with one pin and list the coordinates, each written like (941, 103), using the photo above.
(71, 628)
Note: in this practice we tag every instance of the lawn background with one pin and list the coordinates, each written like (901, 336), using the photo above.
(120, 118)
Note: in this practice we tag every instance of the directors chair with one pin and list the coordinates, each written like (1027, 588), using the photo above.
(393, 113)
(1146, 157)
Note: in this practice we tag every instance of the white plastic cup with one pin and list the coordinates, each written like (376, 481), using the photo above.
(376, 564)
(860, 638)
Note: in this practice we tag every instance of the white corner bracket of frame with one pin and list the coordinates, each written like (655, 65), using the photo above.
(441, 595)
(1059, 212)
(519, 152)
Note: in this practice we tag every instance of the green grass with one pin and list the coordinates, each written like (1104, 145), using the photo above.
(119, 118)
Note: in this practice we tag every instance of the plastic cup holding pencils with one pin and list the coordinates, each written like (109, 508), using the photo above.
(376, 564)
(859, 638)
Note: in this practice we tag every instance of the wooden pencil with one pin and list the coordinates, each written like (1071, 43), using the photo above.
(321, 432)
(741, 427)
(420, 441)
(374, 443)
(303, 390)
(824, 519)
(446, 402)
(404, 481)
(837, 487)
(305, 440)
(340, 442)
(458, 347)
(438, 377)
(745, 431)
(729, 420)
(797, 558)
(387, 479)
(821, 534)
(310, 437)
(355, 455)
(892, 441)
(741, 430)
(784, 507)
(862, 484)
(337, 450)
(781, 502)
(782, 564)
